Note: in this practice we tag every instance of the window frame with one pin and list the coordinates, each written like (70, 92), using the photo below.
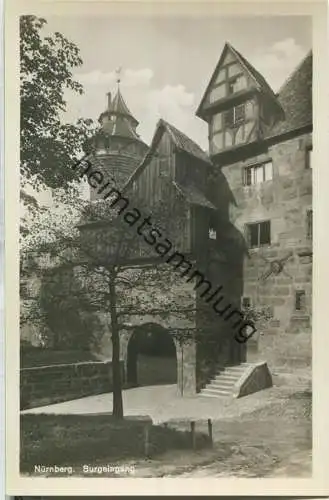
(252, 169)
(309, 223)
(233, 110)
(248, 226)
(308, 162)
(246, 299)
(300, 298)
(231, 81)
(212, 234)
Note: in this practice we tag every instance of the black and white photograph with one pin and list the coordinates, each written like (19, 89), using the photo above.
(165, 246)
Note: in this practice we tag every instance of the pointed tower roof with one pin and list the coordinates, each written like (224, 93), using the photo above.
(119, 107)
(117, 119)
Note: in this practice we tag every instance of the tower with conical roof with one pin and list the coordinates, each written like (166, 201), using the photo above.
(118, 148)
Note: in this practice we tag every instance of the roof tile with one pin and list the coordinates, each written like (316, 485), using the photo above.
(295, 97)
(183, 142)
(193, 195)
(116, 168)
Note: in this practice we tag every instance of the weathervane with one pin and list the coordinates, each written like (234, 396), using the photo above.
(118, 72)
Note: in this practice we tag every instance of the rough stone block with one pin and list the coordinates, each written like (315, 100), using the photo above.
(281, 290)
(289, 194)
(277, 301)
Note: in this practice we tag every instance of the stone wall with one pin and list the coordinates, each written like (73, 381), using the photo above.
(53, 384)
(284, 201)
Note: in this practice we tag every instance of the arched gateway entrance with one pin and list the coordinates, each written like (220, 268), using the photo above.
(151, 356)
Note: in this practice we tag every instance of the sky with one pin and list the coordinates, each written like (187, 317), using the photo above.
(167, 62)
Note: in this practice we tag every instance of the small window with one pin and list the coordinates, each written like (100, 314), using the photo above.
(231, 87)
(239, 113)
(309, 222)
(212, 234)
(236, 84)
(246, 302)
(259, 234)
(24, 289)
(300, 300)
(212, 226)
(256, 174)
(309, 159)
(234, 115)
(248, 176)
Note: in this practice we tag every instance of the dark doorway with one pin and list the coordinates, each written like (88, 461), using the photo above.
(151, 357)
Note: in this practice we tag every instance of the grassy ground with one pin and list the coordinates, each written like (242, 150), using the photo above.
(75, 440)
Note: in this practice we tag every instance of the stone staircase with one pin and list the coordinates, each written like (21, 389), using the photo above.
(225, 379)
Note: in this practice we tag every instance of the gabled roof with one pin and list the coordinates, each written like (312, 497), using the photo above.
(193, 195)
(181, 141)
(260, 82)
(295, 97)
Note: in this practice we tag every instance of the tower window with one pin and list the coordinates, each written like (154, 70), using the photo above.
(256, 174)
(259, 234)
(300, 300)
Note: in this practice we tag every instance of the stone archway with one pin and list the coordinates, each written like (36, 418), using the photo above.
(151, 356)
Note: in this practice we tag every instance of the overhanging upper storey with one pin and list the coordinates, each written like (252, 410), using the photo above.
(238, 103)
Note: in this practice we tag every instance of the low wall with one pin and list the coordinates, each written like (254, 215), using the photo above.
(45, 385)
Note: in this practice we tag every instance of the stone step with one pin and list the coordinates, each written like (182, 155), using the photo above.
(242, 366)
(232, 370)
(227, 376)
(221, 383)
(238, 365)
(215, 392)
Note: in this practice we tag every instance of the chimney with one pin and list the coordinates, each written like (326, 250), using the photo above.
(108, 100)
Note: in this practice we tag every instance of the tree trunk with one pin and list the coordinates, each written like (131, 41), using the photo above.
(116, 366)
